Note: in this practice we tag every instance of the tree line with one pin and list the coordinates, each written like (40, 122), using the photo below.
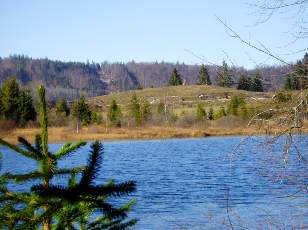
(224, 78)
(73, 79)
(18, 105)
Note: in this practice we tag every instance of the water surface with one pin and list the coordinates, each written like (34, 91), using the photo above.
(194, 183)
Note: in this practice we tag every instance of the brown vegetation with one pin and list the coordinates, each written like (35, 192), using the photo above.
(221, 127)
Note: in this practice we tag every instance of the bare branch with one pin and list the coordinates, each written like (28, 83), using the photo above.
(262, 50)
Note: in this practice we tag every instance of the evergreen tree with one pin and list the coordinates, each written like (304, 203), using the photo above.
(244, 83)
(96, 117)
(61, 107)
(224, 77)
(221, 113)
(300, 73)
(114, 114)
(235, 103)
(10, 94)
(81, 112)
(81, 204)
(135, 110)
(146, 112)
(201, 114)
(16, 104)
(175, 78)
(288, 83)
(257, 83)
(26, 109)
(204, 77)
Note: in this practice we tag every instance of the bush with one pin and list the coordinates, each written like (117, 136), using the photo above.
(235, 103)
(283, 97)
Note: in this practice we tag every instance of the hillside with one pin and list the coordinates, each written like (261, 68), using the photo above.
(71, 79)
(178, 119)
(182, 99)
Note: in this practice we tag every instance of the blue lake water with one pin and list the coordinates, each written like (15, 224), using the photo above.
(194, 183)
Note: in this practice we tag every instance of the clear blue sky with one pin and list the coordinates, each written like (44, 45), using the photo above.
(144, 31)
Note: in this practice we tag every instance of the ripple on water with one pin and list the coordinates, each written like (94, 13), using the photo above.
(189, 182)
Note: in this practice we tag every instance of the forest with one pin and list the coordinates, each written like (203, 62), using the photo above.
(73, 79)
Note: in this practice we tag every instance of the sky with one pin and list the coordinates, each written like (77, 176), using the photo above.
(143, 31)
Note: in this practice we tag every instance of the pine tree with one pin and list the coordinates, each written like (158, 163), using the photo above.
(16, 104)
(257, 83)
(146, 112)
(204, 77)
(26, 109)
(224, 77)
(135, 110)
(201, 114)
(221, 113)
(10, 94)
(175, 78)
(288, 83)
(160, 108)
(81, 112)
(61, 107)
(114, 114)
(81, 204)
(300, 74)
(235, 103)
(244, 83)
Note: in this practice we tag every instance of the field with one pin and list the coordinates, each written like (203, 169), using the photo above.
(183, 98)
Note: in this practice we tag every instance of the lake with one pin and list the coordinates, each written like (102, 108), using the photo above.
(204, 183)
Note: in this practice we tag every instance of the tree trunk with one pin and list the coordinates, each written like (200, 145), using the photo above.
(77, 127)
(47, 219)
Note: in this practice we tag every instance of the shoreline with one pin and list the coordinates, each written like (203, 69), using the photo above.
(91, 133)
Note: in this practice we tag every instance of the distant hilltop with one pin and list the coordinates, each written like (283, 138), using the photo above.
(71, 79)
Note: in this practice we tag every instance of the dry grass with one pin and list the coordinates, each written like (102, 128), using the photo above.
(62, 134)
(188, 93)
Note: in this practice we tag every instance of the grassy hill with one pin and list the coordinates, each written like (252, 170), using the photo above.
(183, 97)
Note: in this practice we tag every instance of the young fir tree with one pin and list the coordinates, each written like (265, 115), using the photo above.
(204, 77)
(81, 204)
(10, 94)
(224, 77)
(135, 110)
(81, 112)
(175, 78)
(16, 104)
(26, 109)
(61, 107)
(220, 113)
(244, 83)
(257, 83)
(201, 114)
(146, 112)
(235, 103)
(289, 83)
(114, 114)
(300, 74)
